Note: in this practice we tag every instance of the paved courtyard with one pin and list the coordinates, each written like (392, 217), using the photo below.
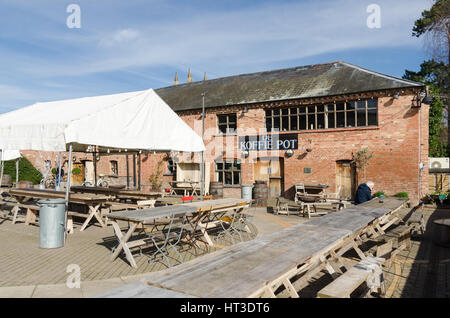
(423, 271)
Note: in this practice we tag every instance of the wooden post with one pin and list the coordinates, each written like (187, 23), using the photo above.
(134, 171)
(94, 154)
(139, 171)
(128, 172)
(17, 171)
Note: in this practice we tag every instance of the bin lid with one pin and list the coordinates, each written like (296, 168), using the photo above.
(51, 201)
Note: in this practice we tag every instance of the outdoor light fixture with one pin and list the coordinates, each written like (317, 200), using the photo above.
(289, 153)
(395, 96)
(427, 100)
(107, 151)
(245, 153)
(422, 98)
(245, 110)
(74, 158)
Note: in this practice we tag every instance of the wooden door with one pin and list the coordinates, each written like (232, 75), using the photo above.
(77, 179)
(345, 179)
(89, 171)
(270, 170)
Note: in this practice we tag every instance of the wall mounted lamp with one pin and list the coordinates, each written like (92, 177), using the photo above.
(289, 153)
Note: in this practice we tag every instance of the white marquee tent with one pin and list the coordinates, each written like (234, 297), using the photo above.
(137, 120)
(134, 121)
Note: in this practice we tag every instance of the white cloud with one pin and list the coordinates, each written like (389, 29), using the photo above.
(258, 34)
(119, 37)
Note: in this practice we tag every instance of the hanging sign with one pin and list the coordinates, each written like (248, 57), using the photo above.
(268, 142)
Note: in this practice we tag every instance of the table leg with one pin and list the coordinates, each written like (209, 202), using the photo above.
(93, 212)
(123, 239)
(31, 216)
(69, 224)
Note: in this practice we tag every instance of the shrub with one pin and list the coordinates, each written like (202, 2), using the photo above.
(402, 195)
(76, 171)
(53, 170)
(379, 193)
(27, 172)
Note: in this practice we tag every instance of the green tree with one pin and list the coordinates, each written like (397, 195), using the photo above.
(433, 74)
(27, 172)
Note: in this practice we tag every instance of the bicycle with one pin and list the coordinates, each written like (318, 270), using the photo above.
(100, 182)
(48, 181)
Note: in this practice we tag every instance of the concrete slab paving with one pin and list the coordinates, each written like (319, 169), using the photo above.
(17, 291)
(56, 291)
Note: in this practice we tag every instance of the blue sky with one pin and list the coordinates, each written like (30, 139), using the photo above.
(138, 44)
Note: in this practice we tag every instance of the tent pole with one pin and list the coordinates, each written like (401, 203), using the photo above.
(94, 158)
(202, 165)
(139, 172)
(128, 172)
(134, 171)
(59, 171)
(17, 171)
(69, 172)
(1, 174)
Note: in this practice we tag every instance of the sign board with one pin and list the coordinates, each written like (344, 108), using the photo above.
(268, 142)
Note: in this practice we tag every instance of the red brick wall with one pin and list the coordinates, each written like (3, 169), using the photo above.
(393, 168)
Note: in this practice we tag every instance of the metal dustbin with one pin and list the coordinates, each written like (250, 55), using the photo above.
(246, 191)
(52, 223)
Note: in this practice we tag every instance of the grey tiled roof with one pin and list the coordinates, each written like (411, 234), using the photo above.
(318, 80)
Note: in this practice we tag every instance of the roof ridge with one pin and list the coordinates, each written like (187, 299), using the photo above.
(381, 74)
(247, 74)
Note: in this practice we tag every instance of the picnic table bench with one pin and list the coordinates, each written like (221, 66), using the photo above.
(366, 271)
(119, 193)
(188, 187)
(285, 207)
(92, 202)
(416, 221)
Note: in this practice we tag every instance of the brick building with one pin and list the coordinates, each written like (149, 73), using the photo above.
(301, 124)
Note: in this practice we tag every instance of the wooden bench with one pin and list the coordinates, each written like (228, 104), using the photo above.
(400, 237)
(366, 271)
(417, 223)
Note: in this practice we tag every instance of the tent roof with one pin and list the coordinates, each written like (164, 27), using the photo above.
(137, 120)
(10, 155)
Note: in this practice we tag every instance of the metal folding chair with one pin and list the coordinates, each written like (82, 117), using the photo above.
(168, 238)
(229, 226)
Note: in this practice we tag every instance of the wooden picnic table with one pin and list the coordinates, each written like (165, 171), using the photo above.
(259, 267)
(202, 215)
(312, 192)
(190, 187)
(92, 201)
(119, 193)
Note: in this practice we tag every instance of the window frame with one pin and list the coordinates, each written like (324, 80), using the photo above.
(310, 115)
(232, 170)
(227, 124)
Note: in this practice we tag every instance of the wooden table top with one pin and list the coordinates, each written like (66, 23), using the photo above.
(52, 194)
(144, 215)
(314, 185)
(114, 191)
(186, 208)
